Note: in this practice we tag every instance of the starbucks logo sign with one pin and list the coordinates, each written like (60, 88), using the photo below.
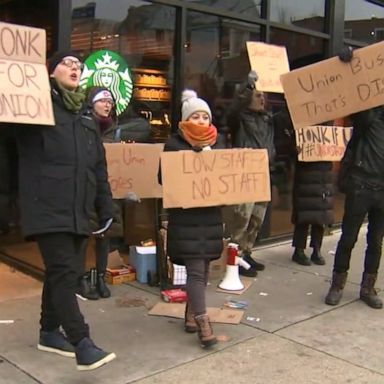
(108, 69)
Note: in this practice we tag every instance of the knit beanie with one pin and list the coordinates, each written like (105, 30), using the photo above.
(56, 58)
(191, 104)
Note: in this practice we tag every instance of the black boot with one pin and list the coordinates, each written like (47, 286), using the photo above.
(336, 291)
(317, 258)
(102, 288)
(368, 292)
(87, 289)
(253, 263)
(300, 257)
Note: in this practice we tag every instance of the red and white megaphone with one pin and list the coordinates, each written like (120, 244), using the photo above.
(231, 281)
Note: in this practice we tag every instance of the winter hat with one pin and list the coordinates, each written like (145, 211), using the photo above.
(191, 104)
(103, 94)
(56, 58)
(96, 93)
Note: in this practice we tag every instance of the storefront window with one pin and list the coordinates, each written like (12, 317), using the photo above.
(305, 14)
(216, 56)
(143, 34)
(363, 21)
(39, 13)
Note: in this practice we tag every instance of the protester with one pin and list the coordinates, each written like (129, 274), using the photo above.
(312, 208)
(195, 235)
(92, 284)
(63, 178)
(364, 189)
(251, 127)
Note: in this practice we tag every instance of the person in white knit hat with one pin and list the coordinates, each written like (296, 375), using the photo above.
(195, 235)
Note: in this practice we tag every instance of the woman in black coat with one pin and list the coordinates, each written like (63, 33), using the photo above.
(312, 207)
(195, 235)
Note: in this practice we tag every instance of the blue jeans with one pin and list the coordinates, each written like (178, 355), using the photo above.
(359, 202)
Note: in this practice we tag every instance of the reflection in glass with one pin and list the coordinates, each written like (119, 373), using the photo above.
(305, 14)
(143, 34)
(251, 8)
(364, 21)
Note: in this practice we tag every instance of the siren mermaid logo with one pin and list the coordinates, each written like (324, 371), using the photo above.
(108, 69)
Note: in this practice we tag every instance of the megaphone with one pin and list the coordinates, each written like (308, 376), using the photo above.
(231, 281)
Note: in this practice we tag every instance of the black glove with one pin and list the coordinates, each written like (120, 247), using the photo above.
(252, 78)
(197, 149)
(346, 54)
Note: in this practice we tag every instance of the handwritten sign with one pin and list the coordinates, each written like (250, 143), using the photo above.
(133, 168)
(270, 62)
(218, 177)
(331, 89)
(25, 95)
(322, 143)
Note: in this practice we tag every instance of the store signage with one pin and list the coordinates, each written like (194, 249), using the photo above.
(25, 95)
(269, 61)
(213, 178)
(133, 168)
(322, 143)
(331, 89)
(108, 69)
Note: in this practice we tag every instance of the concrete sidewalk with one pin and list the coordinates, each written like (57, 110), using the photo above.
(287, 335)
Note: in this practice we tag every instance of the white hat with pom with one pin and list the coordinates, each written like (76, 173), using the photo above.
(191, 104)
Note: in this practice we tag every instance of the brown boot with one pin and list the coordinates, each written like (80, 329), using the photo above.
(367, 291)
(190, 325)
(336, 291)
(205, 334)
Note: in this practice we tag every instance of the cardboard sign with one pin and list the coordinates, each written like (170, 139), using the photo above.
(133, 168)
(270, 62)
(322, 143)
(217, 177)
(331, 89)
(25, 95)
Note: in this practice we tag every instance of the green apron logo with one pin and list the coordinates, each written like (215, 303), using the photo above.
(108, 69)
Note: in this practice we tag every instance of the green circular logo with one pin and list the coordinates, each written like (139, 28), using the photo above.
(108, 69)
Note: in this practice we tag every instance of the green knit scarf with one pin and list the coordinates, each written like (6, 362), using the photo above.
(73, 100)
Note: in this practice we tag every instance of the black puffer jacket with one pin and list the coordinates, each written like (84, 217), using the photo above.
(313, 193)
(194, 232)
(62, 174)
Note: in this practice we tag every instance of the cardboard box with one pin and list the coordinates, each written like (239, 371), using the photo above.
(143, 259)
(117, 271)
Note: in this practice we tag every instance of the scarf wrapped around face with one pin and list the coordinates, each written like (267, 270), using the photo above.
(198, 135)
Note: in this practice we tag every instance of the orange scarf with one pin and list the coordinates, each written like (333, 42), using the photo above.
(198, 135)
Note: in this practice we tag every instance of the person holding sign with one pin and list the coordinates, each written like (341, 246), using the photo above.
(195, 235)
(312, 210)
(364, 196)
(251, 127)
(63, 177)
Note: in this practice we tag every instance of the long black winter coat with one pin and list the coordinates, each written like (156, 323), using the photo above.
(62, 174)
(194, 232)
(313, 193)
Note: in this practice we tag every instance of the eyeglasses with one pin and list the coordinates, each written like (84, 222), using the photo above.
(107, 101)
(69, 63)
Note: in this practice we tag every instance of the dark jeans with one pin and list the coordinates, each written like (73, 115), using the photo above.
(62, 254)
(102, 246)
(197, 279)
(359, 202)
(301, 233)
